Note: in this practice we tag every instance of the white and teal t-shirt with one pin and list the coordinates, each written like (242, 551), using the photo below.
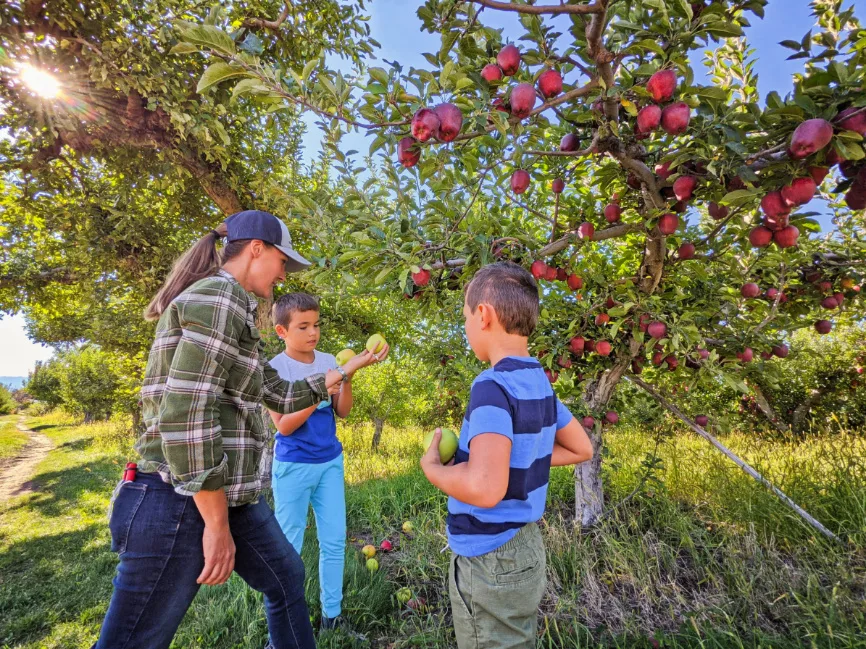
(314, 442)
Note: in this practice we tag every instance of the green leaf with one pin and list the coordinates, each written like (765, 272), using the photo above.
(648, 44)
(378, 143)
(791, 45)
(379, 75)
(774, 101)
(209, 37)
(687, 9)
(382, 276)
(725, 29)
(712, 92)
(308, 69)
(252, 44)
(184, 48)
(217, 73)
(740, 196)
(850, 150)
(630, 107)
(249, 87)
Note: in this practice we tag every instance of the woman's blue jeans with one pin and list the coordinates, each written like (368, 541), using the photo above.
(157, 534)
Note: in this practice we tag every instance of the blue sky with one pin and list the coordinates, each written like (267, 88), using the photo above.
(395, 25)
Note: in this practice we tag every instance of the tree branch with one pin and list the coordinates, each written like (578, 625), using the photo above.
(571, 94)
(613, 232)
(468, 207)
(593, 8)
(278, 90)
(562, 243)
(734, 458)
(60, 275)
(264, 23)
(592, 148)
(721, 224)
(774, 309)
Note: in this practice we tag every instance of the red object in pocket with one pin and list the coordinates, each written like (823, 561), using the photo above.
(130, 471)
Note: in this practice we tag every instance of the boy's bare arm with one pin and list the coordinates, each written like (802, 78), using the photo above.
(288, 424)
(482, 481)
(571, 445)
(343, 401)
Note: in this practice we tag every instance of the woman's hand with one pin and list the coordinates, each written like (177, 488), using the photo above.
(219, 555)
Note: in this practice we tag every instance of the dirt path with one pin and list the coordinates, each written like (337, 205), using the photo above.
(16, 473)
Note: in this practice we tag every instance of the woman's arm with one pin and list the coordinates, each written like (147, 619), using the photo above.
(190, 425)
(284, 397)
(217, 541)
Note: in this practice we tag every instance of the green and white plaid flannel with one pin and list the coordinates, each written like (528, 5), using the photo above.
(204, 386)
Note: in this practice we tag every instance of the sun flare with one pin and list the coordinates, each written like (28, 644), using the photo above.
(40, 82)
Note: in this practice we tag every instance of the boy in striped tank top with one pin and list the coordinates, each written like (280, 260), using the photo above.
(514, 430)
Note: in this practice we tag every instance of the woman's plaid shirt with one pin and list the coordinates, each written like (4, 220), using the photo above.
(204, 386)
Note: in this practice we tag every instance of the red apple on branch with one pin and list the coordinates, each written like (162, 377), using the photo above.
(509, 60)
(662, 85)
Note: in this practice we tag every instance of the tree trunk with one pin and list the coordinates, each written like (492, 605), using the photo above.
(137, 426)
(588, 492)
(379, 424)
(263, 316)
(798, 419)
(766, 409)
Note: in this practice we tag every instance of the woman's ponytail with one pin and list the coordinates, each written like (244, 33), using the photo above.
(200, 261)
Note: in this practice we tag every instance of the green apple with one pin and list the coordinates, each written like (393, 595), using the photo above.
(344, 356)
(408, 527)
(375, 343)
(447, 445)
(372, 565)
(404, 595)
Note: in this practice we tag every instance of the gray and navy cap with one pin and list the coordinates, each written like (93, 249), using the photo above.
(255, 224)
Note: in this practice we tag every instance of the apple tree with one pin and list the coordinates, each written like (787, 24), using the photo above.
(112, 163)
(663, 213)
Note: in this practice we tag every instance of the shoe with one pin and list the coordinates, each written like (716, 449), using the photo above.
(340, 623)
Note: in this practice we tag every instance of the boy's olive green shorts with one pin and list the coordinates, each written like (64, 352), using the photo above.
(495, 596)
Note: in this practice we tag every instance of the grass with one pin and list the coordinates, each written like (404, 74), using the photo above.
(12, 440)
(702, 557)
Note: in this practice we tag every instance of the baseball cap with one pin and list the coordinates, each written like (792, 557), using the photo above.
(255, 224)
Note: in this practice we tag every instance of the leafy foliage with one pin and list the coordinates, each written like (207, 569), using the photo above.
(821, 384)
(7, 403)
(88, 382)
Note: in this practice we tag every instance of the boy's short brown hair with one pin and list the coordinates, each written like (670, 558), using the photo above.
(511, 291)
(291, 303)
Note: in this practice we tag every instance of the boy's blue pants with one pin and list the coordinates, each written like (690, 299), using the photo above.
(296, 486)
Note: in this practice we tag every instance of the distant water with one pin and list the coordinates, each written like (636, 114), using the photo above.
(13, 382)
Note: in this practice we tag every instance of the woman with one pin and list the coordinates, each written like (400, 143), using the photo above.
(194, 512)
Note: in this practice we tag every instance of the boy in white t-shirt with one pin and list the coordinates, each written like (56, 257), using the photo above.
(308, 457)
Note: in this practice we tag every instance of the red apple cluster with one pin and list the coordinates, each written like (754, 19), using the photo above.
(442, 123)
(674, 118)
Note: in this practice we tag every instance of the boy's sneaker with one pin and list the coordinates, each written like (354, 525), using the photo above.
(340, 623)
